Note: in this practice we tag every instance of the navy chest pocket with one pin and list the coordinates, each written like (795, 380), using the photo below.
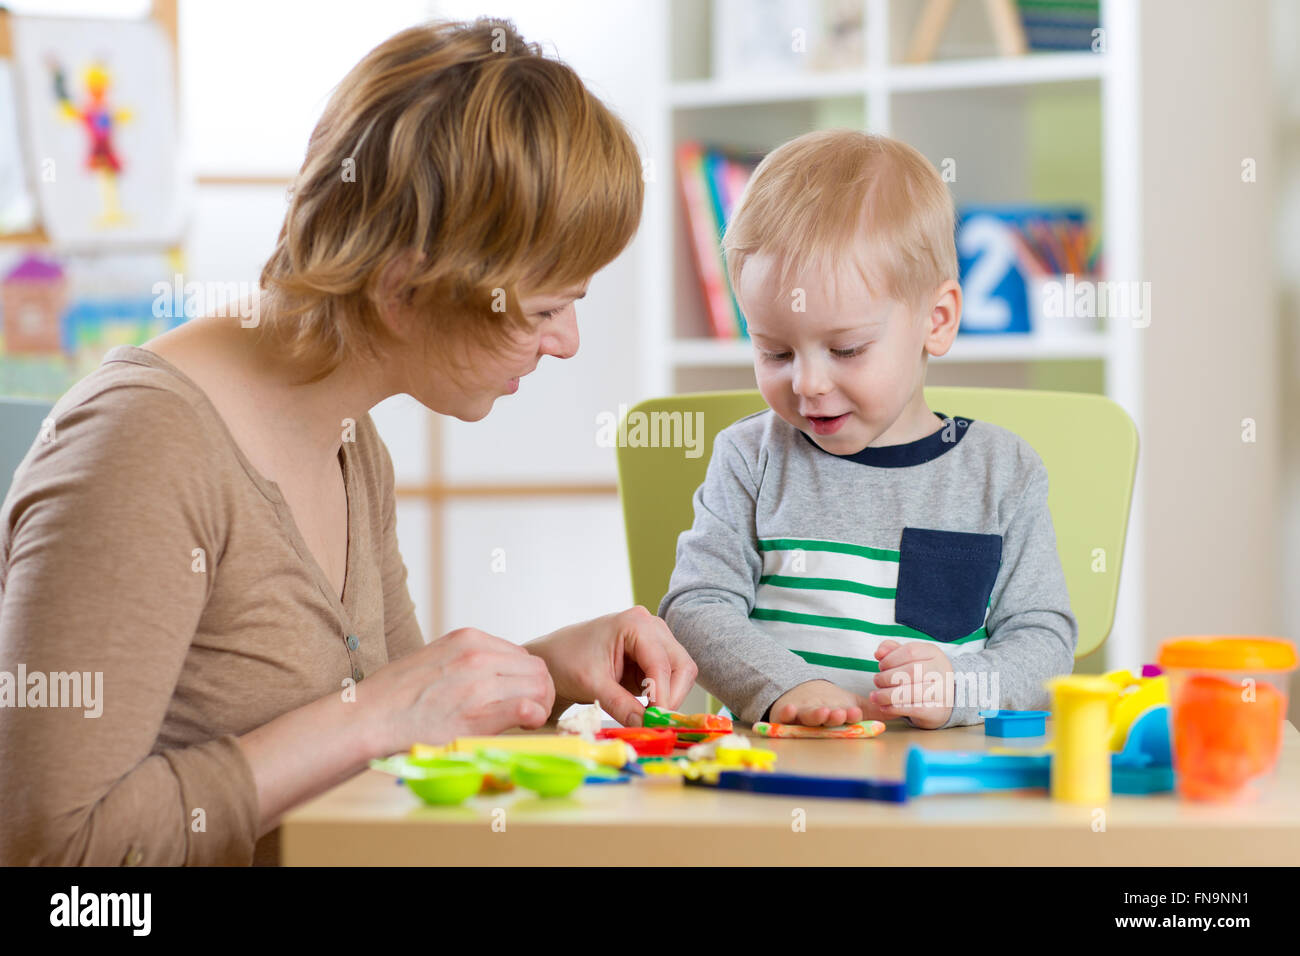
(945, 579)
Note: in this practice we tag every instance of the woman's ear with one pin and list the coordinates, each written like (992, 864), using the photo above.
(395, 293)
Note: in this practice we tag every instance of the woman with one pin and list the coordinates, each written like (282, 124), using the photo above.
(209, 523)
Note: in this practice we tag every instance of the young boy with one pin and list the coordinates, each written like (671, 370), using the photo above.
(856, 555)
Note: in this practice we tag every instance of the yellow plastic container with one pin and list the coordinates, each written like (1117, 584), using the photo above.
(1228, 701)
(1081, 706)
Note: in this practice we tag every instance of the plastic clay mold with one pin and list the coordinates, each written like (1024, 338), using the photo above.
(1014, 723)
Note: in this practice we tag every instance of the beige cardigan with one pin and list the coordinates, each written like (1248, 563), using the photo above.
(137, 542)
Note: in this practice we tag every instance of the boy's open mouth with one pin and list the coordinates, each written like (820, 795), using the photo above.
(824, 425)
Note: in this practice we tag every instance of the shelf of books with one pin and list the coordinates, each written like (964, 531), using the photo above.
(1007, 101)
(1026, 107)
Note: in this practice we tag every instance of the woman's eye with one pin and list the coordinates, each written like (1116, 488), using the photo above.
(776, 356)
(550, 314)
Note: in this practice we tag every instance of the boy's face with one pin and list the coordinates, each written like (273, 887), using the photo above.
(849, 370)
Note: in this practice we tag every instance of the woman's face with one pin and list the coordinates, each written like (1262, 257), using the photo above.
(487, 372)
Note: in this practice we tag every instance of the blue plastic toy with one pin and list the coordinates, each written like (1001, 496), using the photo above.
(1015, 723)
(1148, 738)
(947, 771)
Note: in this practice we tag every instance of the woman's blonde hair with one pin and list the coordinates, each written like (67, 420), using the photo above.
(471, 163)
(841, 198)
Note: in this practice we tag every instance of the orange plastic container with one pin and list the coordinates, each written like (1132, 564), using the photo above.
(1228, 699)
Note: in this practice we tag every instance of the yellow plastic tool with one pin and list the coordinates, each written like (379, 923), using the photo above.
(1081, 706)
(1137, 695)
(609, 753)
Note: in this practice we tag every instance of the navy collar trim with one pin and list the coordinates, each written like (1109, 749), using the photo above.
(910, 453)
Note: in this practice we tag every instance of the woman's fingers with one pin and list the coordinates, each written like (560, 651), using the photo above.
(643, 644)
(668, 669)
(669, 673)
(510, 696)
(466, 640)
(618, 702)
(495, 716)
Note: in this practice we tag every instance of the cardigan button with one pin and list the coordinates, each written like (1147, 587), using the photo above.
(352, 642)
(358, 673)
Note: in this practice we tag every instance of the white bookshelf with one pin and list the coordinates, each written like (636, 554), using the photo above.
(967, 103)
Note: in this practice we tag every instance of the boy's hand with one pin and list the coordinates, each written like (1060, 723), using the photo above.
(908, 689)
(818, 703)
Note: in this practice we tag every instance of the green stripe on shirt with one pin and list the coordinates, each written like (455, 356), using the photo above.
(802, 544)
(843, 663)
(826, 584)
(851, 624)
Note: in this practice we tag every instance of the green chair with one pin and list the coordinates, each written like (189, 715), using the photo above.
(1088, 443)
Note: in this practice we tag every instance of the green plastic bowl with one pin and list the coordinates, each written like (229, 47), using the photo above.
(547, 775)
(443, 781)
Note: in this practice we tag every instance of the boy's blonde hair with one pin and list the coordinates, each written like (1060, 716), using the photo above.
(465, 145)
(842, 198)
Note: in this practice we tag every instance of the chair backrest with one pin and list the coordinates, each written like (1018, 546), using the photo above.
(20, 423)
(1088, 443)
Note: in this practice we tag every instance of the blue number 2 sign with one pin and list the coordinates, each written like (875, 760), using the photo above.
(994, 298)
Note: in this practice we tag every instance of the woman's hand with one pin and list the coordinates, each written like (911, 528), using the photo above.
(463, 684)
(613, 659)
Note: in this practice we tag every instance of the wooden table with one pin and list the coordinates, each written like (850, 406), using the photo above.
(372, 820)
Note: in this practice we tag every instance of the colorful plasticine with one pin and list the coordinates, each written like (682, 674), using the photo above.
(646, 741)
(705, 761)
(658, 717)
(733, 750)
(1222, 742)
(862, 730)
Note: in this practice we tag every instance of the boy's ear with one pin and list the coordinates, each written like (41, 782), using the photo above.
(944, 318)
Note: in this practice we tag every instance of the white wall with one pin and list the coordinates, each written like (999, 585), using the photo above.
(1285, 35)
(1213, 504)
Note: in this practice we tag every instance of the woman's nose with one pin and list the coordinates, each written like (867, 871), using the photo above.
(561, 339)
